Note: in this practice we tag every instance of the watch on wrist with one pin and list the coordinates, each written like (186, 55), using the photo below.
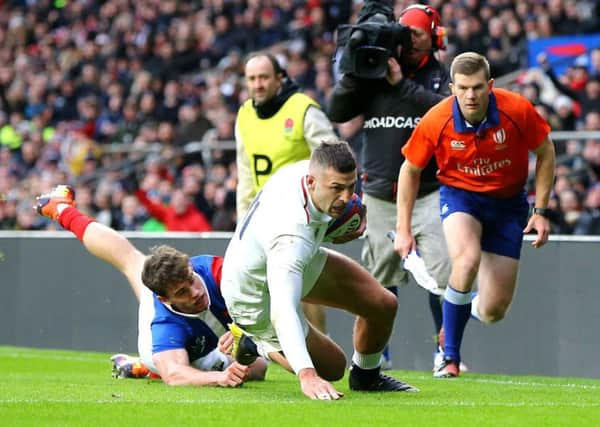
(545, 212)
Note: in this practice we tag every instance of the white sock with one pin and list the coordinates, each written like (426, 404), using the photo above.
(475, 308)
(367, 361)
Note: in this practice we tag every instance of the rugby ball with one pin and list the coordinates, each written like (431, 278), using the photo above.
(349, 221)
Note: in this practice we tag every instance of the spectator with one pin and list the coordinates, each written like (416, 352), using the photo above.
(192, 125)
(498, 46)
(58, 60)
(107, 125)
(8, 214)
(563, 106)
(103, 207)
(466, 38)
(589, 220)
(131, 216)
(129, 126)
(592, 121)
(595, 62)
(179, 215)
(577, 85)
(591, 156)
(168, 108)
(570, 206)
(85, 200)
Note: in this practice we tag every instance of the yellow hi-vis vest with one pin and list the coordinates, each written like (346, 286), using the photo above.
(274, 142)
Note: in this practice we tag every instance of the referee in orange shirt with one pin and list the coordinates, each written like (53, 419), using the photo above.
(481, 138)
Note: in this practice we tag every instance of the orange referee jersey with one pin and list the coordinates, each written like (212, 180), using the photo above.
(492, 158)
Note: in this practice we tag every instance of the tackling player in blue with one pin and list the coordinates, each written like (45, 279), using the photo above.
(183, 320)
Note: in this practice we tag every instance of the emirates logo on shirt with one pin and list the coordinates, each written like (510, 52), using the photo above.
(483, 166)
(288, 125)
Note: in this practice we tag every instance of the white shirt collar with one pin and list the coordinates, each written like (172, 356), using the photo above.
(315, 214)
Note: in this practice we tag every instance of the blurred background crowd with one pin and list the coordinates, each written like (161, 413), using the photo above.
(134, 102)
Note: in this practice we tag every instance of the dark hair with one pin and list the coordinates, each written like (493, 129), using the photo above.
(336, 154)
(276, 66)
(165, 267)
(469, 63)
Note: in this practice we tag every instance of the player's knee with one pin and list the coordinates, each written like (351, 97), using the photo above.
(335, 369)
(465, 268)
(389, 304)
(335, 376)
(378, 303)
(493, 314)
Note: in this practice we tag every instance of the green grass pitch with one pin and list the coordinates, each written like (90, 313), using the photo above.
(67, 388)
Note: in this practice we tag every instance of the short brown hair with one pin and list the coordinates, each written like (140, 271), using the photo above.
(469, 63)
(336, 154)
(165, 267)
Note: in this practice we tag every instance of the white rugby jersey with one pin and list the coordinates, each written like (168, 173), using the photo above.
(265, 266)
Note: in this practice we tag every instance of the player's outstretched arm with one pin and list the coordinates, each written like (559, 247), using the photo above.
(175, 369)
(285, 264)
(101, 241)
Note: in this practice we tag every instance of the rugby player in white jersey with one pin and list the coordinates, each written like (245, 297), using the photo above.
(275, 260)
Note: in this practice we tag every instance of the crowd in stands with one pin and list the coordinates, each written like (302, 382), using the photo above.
(109, 96)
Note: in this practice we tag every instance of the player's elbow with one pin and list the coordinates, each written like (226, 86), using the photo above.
(172, 377)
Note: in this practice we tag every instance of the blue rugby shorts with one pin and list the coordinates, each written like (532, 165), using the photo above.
(502, 220)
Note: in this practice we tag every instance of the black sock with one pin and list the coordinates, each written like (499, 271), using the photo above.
(435, 306)
(364, 373)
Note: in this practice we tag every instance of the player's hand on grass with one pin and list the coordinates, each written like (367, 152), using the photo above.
(316, 387)
(234, 375)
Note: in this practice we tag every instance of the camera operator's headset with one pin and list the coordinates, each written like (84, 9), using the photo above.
(438, 33)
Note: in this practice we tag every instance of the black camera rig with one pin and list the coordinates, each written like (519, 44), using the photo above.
(367, 45)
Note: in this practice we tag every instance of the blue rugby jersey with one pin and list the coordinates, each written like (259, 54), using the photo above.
(197, 333)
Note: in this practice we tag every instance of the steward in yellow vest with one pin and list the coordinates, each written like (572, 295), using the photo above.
(277, 126)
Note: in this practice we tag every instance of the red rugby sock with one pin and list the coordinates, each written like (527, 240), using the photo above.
(74, 221)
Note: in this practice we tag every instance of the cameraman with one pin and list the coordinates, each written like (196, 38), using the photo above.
(391, 108)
